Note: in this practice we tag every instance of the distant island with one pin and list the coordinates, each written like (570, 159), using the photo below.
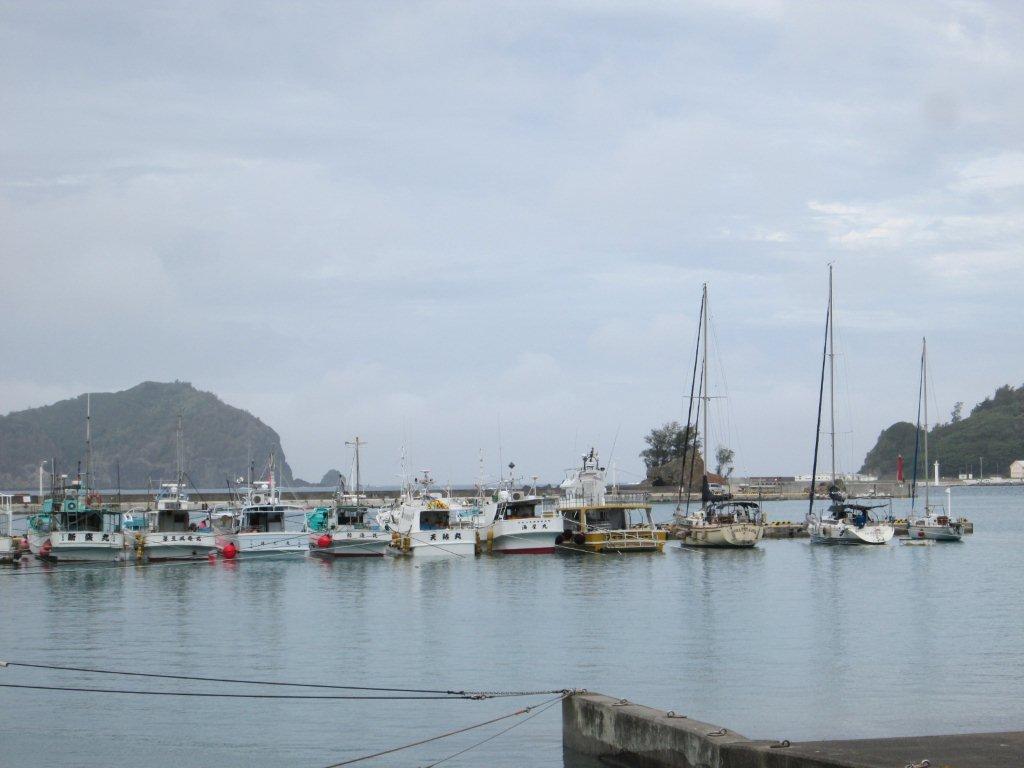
(135, 429)
(993, 431)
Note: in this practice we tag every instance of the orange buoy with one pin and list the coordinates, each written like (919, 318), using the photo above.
(229, 551)
(324, 542)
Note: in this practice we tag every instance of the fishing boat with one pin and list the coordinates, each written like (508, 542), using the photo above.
(935, 524)
(421, 524)
(75, 526)
(169, 532)
(594, 522)
(720, 522)
(347, 529)
(842, 522)
(516, 523)
(10, 545)
(260, 526)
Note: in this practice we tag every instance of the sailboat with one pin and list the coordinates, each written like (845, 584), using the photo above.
(346, 529)
(169, 532)
(842, 522)
(720, 521)
(74, 525)
(935, 523)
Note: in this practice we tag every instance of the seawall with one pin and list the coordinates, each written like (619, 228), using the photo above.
(642, 737)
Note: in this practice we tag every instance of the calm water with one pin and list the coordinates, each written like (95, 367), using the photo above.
(787, 641)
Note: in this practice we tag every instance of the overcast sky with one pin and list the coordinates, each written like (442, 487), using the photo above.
(439, 223)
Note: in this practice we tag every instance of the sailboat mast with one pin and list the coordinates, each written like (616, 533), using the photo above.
(357, 467)
(831, 376)
(924, 380)
(704, 385)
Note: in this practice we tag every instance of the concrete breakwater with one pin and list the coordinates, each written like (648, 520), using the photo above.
(634, 735)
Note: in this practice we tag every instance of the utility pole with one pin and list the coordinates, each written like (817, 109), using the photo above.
(356, 443)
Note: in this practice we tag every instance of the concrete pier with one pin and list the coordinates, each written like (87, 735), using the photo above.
(635, 735)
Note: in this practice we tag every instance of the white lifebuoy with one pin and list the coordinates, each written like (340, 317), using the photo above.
(257, 499)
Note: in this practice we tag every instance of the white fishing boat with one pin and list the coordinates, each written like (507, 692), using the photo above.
(10, 545)
(169, 532)
(422, 525)
(720, 522)
(517, 523)
(263, 526)
(74, 526)
(347, 528)
(594, 522)
(935, 524)
(842, 522)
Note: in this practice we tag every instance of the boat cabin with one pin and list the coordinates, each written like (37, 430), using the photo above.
(264, 518)
(857, 515)
(726, 512)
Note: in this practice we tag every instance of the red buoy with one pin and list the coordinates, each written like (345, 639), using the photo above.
(229, 551)
(24, 544)
(324, 542)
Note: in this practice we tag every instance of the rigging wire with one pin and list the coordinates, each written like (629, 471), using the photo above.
(211, 695)
(502, 732)
(199, 678)
(392, 750)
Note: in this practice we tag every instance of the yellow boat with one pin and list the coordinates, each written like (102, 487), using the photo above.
(594, 522)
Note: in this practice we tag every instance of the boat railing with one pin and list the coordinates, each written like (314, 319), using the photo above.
(627, 498)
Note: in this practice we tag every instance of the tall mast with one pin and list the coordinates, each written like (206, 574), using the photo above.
(924, 379)
(704, 385)
(831, 376)
(179, 452)
(88, 441)
(357, 442)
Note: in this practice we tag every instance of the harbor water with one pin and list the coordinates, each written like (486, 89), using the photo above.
(788, 640)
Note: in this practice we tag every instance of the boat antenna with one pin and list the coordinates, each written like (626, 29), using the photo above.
(924, 385)
(356, 443)
(117, 469)
(917, 433)
(821, 396)
(501, 465)
(179, 452)
(88, 441)
(689, 410)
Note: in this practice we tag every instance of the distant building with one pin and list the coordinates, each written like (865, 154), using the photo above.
(1017, 470)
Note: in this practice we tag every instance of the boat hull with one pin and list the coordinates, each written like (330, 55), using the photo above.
(722, 536)
(83, 547)
(626, 541)
(351, 544)
(527, 536)
(10, 551)
(265, 545)
(157, 546)
(934, 532)
(436, 545)
(842, 533)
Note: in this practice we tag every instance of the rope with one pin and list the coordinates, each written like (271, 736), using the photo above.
(297, 697)
(502, 732)
(445, 735)
(235, 681)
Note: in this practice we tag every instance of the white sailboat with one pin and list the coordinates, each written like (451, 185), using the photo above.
(169, 533)
(935, 524)
(422, 525)
(346, 529)
(841, 522)
(720, 522)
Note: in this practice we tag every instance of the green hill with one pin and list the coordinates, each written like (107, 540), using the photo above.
(994, 430)
(136, 427)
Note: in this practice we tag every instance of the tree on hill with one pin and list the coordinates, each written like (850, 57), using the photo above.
(668, 442)
(994, 431)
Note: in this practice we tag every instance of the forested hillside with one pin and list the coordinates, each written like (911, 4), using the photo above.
(136, 428)
(994, 430)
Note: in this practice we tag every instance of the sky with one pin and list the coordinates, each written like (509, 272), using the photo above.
(464, 227)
